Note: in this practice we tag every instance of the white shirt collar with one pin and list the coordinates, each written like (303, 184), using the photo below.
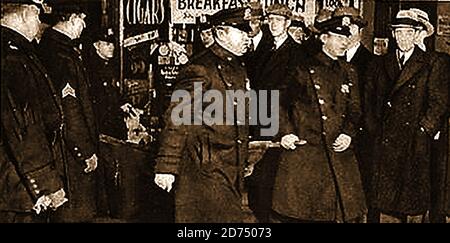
(422, 46)
(16, 30)
(407, 54)
(350, 53)
(280, 40)
(256, 39)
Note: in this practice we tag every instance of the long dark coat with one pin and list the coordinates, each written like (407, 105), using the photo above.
(31, 118)
(208, 160)
(313, 182)
(406, 100)
(105, 93)
(363, 142)
(65, 65)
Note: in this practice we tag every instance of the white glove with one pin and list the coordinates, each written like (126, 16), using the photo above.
(42, 203)
(342, 142)
(58, 198)
(91, 164)
(165, 181)
(288, 141)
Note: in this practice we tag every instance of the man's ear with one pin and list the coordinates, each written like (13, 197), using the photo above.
(323, 37)
(96, 44)
(220, 32)
(393, 33)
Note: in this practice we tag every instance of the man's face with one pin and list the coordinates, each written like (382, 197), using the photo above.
(78, 24)
(239, 40)
(278, 25)
(255, 25)
(105, 48)
(236, 40)
(297, 34)
(31, 20)
(335, 44)
(355, 34)
(207, 37)
(405, 38)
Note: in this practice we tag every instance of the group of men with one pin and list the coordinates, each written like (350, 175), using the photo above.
(49, 136)
(363, 138)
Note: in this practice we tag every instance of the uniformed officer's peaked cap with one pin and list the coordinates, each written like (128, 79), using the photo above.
(325, 22)
(298, 21)
(352, 14)
(255, 9)
(279, 9)
(235, 17)
(406, 18)
(68, 6)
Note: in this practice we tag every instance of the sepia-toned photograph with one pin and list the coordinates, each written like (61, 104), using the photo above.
(225, 111)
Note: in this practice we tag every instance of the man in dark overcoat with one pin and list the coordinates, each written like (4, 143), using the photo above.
(30, 122)
(60, 53)
(412, 103)
(361, 58)
(439, 144)
(277, 60)
(205, 163)
(320, 181)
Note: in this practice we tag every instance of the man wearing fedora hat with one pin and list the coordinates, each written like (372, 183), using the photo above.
(62, 56)
(204, 164)
(411, 104)
(320, 181)
(439, 148)
(30, 122)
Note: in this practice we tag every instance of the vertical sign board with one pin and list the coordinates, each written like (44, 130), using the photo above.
(142, 23)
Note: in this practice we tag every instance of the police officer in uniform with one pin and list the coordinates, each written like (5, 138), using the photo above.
(207, 162)
(30, 122)
(320, 181)
(62, 57)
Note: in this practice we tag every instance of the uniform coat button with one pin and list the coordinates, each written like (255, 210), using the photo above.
(324, 118)
(312, 71)
(239, 141)
(32, 180)
(37, 191)
(321, 101)
(316, 86)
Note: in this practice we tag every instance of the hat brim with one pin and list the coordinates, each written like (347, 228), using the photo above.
(405, 22)
(428, 27)
(241, 26)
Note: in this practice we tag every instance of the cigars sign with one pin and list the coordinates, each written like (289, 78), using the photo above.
(186, 11)
(144, 12)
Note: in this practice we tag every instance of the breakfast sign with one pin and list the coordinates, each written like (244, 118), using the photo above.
(186, 11)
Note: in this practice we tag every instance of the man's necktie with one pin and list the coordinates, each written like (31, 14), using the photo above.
(251, 46)
(401, 60)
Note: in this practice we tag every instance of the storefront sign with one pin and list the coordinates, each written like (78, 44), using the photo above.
(186, 11)
(443, 25)
(147, 12)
